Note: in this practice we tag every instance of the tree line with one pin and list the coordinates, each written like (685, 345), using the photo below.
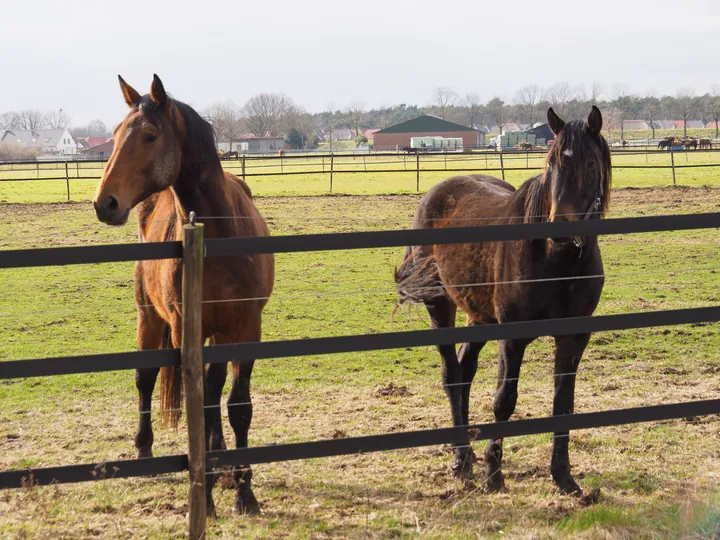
(275, 115)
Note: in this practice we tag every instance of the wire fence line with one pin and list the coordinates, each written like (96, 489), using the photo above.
(245, 352)
(420, 163)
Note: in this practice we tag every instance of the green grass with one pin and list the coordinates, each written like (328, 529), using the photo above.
(367, 178)
(657, 480)
(700, 133)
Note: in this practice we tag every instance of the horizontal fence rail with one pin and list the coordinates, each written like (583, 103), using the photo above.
(219, 247)
(240, 352)
(217, 460)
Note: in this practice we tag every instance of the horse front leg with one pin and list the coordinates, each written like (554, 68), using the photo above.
(510, 359)
(151, 335)
(468, 358)
(568, 351)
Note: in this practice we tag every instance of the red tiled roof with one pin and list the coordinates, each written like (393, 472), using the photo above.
(96, 141)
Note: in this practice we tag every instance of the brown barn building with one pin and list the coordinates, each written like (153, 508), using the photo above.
(399, 135)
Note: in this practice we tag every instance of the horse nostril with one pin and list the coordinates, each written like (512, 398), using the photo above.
(112, 203)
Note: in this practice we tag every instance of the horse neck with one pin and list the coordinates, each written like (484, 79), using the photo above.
(200, 190)
(534, 199)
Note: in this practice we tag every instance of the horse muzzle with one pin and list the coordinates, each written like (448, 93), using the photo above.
(108, 211)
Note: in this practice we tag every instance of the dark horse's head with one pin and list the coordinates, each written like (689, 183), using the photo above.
(576, 183)
(158, 139)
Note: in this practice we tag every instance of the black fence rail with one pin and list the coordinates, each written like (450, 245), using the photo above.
(329, 345)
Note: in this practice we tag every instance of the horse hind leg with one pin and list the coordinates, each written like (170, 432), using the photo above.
(442, 313)
(468, 359)
(510, 359)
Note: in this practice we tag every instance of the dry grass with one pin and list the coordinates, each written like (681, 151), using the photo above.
(657, 480)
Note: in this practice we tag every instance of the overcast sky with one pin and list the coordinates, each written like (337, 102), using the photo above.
(67, 54)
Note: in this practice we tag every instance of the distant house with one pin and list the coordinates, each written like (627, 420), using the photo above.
(667, 124)
(370, 132)
(101, 151)
(695, 124)
(82, 143)
(46, 141)
(399, 135)
(509, 127)
(250, 143)
(713, 125)
(635, 125)
(320, 134)
(341, 134)
(481, 128)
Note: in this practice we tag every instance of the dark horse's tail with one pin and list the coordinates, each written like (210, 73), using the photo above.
(418, 279)
(170, 388)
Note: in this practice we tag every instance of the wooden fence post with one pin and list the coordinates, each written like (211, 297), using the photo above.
(417, 171)
(672, 164)
(77, 168)
(502, 166)
(192, 372)
(332, 160)
(242, 166)
(67, 180)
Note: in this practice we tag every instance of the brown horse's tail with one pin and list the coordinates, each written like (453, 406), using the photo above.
(418, 279)
(170, 388)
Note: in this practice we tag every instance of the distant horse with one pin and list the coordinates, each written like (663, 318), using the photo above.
(705, 144)
(624, 143)
(526, 146)
(164, 161)
(502, 282)
(690, 143)
(668, 142)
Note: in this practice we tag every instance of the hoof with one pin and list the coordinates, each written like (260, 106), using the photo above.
(495, 483)
(462, 467)
(568, 486)
(145, 452)
(591, 498)
(246, 505)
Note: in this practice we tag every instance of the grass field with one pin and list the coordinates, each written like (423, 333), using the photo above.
(657, 480)
(364, 174)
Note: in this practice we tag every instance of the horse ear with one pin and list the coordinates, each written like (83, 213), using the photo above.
(594, 121)
(554, 121)
(131, 95)
(157, 92)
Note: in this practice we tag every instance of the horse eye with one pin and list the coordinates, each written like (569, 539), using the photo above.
(150, 137)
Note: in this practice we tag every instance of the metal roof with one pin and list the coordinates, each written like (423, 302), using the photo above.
(425, 124)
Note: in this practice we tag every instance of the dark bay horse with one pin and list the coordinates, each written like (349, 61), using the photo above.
(165, 163)
(574, 186)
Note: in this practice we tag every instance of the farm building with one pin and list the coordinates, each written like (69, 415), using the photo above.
(635, 125)
(100, 151)
(399, 135)
(542, 131)
(47, 141)
(252, 144)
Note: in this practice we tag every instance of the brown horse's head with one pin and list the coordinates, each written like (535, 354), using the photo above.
(147, 154)
(578, 168)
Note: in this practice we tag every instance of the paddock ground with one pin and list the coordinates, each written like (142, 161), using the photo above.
(657, 480)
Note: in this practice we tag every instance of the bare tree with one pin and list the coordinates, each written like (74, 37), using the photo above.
(226, 120)
(444, 99)
(57, 119)
(264, 113)
(355, 114)
(97, 128)
(651, 109)
(31, 120)
(496, 111)
(623, 103)
(685, 105)
(473, 106)
(527, 99)
(8, 120)
(559, 94)
(714, 106)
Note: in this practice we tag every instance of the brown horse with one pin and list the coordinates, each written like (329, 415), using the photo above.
(521, 277)
(705, 144)
(165, 163)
